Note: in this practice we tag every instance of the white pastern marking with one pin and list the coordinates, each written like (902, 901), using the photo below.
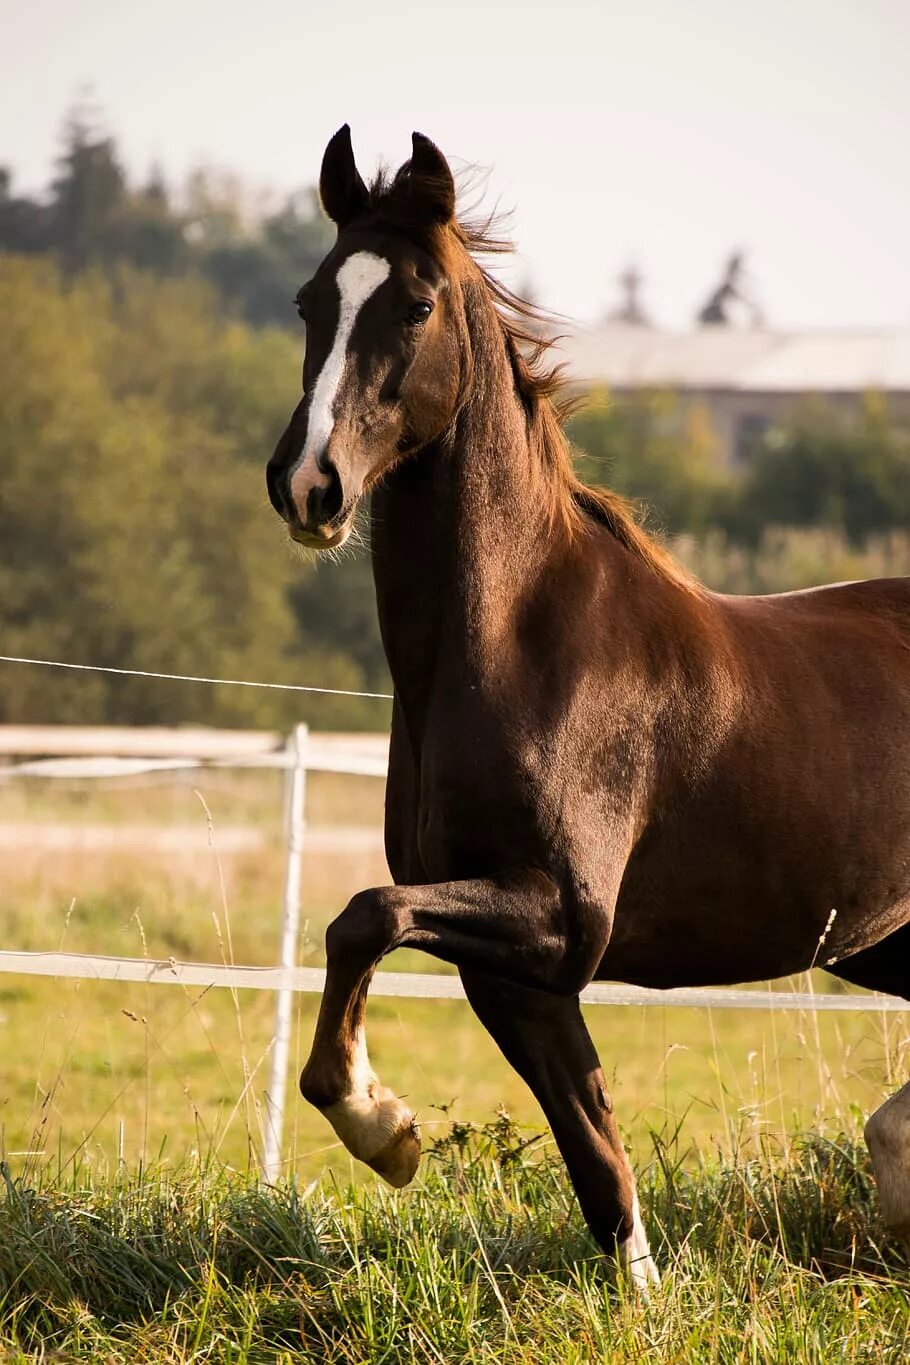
(369, 1116)
(635, 1254)
(358, 278)
(362, 1075)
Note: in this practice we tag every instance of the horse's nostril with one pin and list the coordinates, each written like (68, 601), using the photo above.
(325, 501)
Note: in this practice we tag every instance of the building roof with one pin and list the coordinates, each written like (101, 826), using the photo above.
(629, 357)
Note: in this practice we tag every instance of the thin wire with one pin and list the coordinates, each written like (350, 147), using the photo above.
(184, 677)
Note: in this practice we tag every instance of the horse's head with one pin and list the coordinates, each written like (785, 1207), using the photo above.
(385, 361)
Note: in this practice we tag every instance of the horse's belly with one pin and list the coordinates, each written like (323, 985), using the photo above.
(671, 954)
(729, 915)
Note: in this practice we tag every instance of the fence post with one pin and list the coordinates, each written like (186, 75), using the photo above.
(295, 794)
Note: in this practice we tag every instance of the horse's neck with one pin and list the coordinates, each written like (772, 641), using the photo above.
(458, 531)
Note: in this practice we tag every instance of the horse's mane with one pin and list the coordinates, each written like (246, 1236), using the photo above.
(530, 336)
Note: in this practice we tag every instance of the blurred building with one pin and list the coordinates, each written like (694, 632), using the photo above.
(748, 379)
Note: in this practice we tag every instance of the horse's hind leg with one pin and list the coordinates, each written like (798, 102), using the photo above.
(886, 967)
(545, 1039)
(888, 1140)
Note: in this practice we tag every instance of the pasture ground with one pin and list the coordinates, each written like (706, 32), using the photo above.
(776, 1258)
(131, 1116)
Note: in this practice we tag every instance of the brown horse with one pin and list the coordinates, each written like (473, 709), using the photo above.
(599, 769)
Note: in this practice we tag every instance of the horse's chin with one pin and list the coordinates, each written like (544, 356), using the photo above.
(328, 538)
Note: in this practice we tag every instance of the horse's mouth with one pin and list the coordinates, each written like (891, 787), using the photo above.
(329, 536)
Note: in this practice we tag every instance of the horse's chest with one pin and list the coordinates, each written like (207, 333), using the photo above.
(482, 808)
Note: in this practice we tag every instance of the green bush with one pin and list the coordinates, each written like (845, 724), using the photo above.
(646, 449)
(134, 427)
(854, 476)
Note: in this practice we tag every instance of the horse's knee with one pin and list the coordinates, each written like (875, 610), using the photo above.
(367, 926)
(876, 1132)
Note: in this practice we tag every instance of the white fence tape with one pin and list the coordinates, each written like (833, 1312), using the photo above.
(367, 759)
(414, 985)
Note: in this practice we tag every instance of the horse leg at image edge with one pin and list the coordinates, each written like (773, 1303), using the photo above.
(888, 1139)
(885, 967)
(545, 1039)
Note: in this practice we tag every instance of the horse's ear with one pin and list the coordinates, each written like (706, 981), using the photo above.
(343, 193)
(431, 184)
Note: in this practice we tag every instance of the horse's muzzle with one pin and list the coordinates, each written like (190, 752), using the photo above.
(324, 501)
(319, 518)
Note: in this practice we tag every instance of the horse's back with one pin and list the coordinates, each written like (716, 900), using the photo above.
(847, 642)
(871, 601)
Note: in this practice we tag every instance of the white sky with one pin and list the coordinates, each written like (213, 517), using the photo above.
(667, 133)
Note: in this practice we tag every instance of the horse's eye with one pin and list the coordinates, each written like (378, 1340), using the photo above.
(419, 312)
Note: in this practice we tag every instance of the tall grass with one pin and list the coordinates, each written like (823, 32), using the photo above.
(774, 1257)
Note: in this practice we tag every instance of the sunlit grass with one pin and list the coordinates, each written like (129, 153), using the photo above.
(131, 1123)
(777, 1256)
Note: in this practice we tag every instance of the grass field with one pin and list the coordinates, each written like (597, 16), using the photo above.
(126, 1109)
(775, 1258)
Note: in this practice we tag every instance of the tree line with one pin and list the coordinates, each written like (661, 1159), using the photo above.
(849, 474)
(91, 216)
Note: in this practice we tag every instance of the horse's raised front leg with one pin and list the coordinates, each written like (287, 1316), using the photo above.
(545, 1039)
(513, 927)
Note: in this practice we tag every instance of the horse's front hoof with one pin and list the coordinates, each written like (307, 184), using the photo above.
(397, 1163)
(379, 1129)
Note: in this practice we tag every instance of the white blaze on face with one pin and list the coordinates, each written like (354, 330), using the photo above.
(359, 277)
